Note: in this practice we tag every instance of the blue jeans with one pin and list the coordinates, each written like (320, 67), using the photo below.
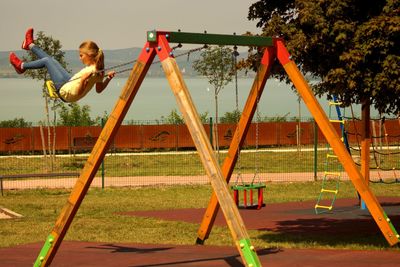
(57, 73)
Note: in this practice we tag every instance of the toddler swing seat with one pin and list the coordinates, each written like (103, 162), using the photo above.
(251, 188)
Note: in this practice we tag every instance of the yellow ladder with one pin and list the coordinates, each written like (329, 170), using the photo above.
(333, 170)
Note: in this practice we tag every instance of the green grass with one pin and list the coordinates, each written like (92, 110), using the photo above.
(98, 218)
(172, 164)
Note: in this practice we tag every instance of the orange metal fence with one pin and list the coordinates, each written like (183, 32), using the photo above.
(137, 137)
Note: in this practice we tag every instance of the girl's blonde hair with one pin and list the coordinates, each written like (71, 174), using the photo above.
(92, 50)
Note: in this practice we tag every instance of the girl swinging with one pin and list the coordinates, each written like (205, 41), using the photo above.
(69, 88)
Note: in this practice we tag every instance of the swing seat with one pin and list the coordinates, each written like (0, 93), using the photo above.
(251, 188)
(51, 89)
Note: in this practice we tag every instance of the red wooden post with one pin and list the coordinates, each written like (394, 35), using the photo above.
(236, 197)
(260, 198)
(244, 198)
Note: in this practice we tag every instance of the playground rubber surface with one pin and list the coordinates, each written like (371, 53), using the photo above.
(296, 218)
(139, 255)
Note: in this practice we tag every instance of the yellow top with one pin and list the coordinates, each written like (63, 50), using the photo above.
(69, 91)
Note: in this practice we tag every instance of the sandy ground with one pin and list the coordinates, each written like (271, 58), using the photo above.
(170, 180)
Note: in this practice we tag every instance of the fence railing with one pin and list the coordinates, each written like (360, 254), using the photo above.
(175, 137)
(165, 154)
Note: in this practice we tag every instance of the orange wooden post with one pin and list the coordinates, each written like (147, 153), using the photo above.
(365, 162)
(237, 141)
(365, 146)
(99, 150)
(206, 153)
(337, 145)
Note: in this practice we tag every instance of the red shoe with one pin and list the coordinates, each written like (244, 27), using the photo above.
(28, 39)
(17, 63)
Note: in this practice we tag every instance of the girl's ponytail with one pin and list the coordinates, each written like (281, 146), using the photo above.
(99, 60)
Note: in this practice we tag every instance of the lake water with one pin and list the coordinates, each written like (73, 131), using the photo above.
(23, 98)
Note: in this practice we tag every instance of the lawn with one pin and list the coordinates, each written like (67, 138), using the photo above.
(98, 220)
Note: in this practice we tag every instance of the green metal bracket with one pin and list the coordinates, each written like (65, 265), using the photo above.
(46, 247)
(391, 226)
(212, 39)
(249, 253)
(152, 36)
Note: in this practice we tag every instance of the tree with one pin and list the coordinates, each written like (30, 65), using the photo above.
(278, 118)
(204, 117)
(53, 48)
(75, 115)
(15, 123)
(174, 117)
(231, 117)
(216, 64)
(352, 46)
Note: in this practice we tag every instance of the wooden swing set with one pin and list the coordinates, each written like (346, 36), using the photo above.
(158, 45)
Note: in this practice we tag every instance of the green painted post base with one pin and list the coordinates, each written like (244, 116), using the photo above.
(391, 226)
(249, 253)
(45, 249)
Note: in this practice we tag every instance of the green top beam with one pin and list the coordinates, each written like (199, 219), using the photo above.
(212, 39)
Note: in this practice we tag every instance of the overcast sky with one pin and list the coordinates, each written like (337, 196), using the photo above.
(118, 23)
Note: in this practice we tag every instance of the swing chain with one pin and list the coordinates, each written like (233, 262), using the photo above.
(256, 162)
(235, 54)
(185, 53)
